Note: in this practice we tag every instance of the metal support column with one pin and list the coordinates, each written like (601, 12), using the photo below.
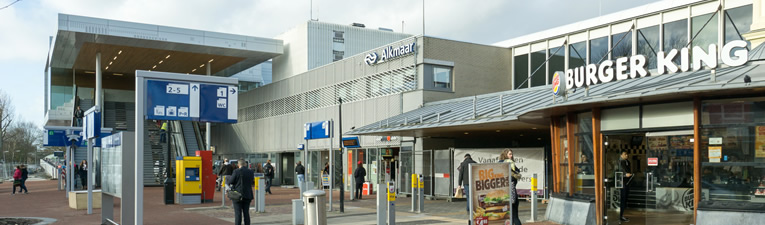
(90, 175)
(207, 125)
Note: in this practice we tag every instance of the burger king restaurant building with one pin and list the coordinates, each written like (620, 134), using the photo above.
(677, 85)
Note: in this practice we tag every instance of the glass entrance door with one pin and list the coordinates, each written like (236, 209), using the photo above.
(660, 190)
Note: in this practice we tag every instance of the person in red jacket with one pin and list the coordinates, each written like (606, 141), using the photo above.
(16, 179)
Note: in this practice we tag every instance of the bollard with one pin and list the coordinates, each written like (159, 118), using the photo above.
(261, 204)
(223, 190)
(533, 199)
(255, 196)
(414, 193)
(421, 186)
(381, 203)
(391, 203)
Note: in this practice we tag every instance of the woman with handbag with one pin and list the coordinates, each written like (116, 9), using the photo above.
(16, 179)
(507, 157)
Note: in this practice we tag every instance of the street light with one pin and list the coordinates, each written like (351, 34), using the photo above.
(5, 165)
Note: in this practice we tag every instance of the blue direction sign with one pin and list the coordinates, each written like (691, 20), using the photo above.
(317, 130)
(59, 138)
(176, 100)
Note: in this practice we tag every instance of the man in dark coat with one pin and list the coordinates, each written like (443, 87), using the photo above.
(463, 180)
(242, 181)
(300, 171)
(269, 176)
(24, 176)
(359, 175)
(626, 169)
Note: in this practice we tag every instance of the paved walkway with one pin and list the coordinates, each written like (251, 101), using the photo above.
(44, 200)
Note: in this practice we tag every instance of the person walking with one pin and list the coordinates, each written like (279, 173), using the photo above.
(24, 176)
(507, 157)
(84, 174)
(78, 114)
(16, 179)
(463, 179)
(300, 171)
(269, 169)
(225, 172)
(242, 181)
(626, 169)
(359, 176)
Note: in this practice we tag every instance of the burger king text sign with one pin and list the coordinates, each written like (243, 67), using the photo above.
(490, 191)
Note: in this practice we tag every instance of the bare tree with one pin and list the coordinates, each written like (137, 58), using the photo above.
(6, 117)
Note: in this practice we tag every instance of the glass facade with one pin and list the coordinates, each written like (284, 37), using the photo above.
(675, 37)
(538, 68)
(648, 44)
(733, 149)
(598, 50)
(521, 71)
(583, 155)
(557, 62)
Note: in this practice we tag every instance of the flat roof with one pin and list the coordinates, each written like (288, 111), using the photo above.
(127, 46)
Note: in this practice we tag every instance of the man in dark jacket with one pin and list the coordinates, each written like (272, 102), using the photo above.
(463, 180)
(242, 181)
(300, 171)
(269, 176)
(78, 114)
(359, 175)
(626, 169)
(225, 171)
(24, 176)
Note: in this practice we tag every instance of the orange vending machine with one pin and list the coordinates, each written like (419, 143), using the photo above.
(208, 176)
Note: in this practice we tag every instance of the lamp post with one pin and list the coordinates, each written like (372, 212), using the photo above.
(5, 165)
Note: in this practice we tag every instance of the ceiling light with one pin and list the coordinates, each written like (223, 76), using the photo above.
(203, 65)
(160, 61)
(497, 131)
(110, 63)
(107, 67)
(193, 70)
(521, 135)
(120, 52)
(155, 66)
(168, 56)
(539, 139)
(533, 128)
(91, 72)
(211, 60)
(467, 133)
(117, 74)
(115, 58)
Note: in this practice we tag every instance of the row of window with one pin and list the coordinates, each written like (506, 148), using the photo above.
(534, 69)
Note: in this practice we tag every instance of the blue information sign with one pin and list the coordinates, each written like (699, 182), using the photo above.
(176, 100)
(317, 130)
(59, 138)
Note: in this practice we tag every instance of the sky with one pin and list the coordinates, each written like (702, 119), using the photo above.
(27, 25)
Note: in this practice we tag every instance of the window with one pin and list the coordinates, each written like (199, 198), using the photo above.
(583, 156)
(737, 21)
(442, 77)
(538, 68)
(703, 35)
(576, 55)
(598, 50)
(521, 71)
(338, 46)
(556, 62)
(733, 149)
(675, 37)
(648, 44)
(563, 183)
(621, 44)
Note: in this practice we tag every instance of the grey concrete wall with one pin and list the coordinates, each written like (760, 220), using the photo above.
(478, 69)
(705, 217)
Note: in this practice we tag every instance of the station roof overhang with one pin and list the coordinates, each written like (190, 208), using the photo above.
(126, 47)
(531, 109)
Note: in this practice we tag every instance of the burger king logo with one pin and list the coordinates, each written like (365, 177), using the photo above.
(556, 84)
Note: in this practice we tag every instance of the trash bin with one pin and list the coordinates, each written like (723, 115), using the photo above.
(315, 208)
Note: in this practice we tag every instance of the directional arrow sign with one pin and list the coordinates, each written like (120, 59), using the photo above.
(176, 100)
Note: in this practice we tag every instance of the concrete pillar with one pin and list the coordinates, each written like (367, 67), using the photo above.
(207, 125)
(756, 35)
(99, 78)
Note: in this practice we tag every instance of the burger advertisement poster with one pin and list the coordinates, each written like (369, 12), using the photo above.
(490, 191)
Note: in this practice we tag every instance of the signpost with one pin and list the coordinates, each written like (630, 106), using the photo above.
(319, 130)
(172, 96)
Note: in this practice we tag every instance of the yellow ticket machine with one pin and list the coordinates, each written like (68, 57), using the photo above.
(188, 189)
